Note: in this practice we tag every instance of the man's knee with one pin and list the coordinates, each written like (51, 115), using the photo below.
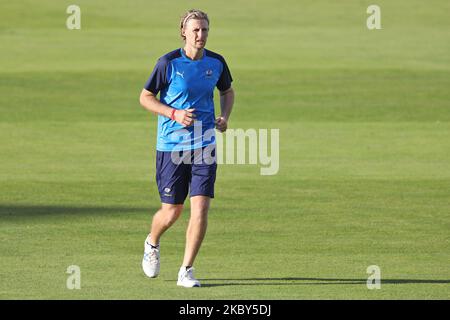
(200, 204)
(171, 213)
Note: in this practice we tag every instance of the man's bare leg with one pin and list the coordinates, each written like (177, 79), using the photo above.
(163, 219)
(196, 229)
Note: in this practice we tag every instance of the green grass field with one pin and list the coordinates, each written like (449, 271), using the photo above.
(364, 179)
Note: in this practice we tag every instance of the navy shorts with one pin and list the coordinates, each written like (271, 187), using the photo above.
(181, 172)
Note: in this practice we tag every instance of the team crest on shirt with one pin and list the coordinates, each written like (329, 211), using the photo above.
(209, 73)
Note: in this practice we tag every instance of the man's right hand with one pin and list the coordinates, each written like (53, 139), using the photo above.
(185, 117)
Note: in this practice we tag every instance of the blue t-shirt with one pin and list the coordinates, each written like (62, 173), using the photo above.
(184, 84)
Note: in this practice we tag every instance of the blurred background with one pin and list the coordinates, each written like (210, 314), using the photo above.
(364, 173)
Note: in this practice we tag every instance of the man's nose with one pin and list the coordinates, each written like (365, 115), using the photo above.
(202, 34)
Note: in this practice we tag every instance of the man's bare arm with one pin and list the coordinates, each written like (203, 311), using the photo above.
(226, 105)
(149, 101)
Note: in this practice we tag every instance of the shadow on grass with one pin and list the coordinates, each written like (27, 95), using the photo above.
(23, 211)
(292, 281)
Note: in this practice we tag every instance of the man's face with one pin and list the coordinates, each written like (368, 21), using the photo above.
(196, 33)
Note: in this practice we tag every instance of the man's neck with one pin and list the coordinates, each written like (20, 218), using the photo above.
(193, 54)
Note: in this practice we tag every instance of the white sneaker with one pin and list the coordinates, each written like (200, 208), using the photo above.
(150, 261)
(186, 278)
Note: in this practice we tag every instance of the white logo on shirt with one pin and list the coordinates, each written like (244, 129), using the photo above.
(180, 74)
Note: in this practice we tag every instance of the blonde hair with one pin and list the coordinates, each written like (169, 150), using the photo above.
(191, 14)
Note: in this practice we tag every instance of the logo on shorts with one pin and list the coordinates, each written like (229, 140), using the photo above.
(167, 192)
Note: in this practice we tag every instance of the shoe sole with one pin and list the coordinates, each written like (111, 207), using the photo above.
(195, 286)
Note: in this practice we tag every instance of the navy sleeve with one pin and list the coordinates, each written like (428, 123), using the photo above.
(159, 77)
(225, 79)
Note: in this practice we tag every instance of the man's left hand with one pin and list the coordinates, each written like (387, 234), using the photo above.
(221, 124)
